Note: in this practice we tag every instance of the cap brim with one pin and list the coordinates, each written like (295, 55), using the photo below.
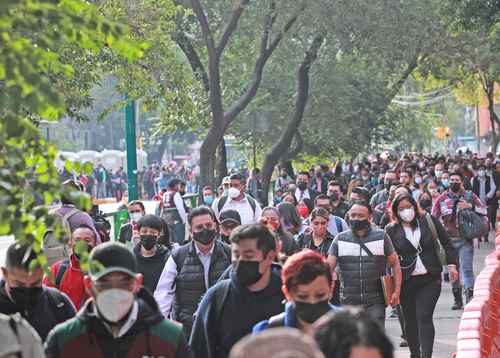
(230, 220)
(98, 275)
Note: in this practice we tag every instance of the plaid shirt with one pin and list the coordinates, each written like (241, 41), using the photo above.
(443, 209)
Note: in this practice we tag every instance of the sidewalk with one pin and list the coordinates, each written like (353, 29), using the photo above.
(446, 321)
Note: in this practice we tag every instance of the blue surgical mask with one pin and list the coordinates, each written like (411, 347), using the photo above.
(208, 199)
(445, 182)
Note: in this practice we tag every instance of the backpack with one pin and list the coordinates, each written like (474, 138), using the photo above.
(57, 303)
(55, 248)
(470, 224)
(61, 270)
(18, 338)
(223, 200)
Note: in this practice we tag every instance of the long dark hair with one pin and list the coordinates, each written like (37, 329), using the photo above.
(394, 208)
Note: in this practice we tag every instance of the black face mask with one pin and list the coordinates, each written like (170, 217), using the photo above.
(205, 236)
(26, 297)
(310, 312)
(334, 196)
(148, 241)
(455, 187)
(359, 225)
(388, 185)
(247, 272)
(302, 185)
(224, 238)
(425, 204)
(88, 248)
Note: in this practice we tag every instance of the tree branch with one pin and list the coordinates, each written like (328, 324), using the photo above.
(299, 145)
(194, 59)
(205, 27)
(231, 26)
(264, 55)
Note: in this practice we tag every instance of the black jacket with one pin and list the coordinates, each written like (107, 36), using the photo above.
(407, 252)
(151, 267)
(212, 336)
(52, 308)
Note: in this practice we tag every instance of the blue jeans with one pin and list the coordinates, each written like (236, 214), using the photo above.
(465, 250)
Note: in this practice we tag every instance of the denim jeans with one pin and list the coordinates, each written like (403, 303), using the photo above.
(465, 250)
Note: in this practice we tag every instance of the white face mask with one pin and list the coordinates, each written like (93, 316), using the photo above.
(438, 173)
(233, 193)
(418, 180)
(135, 217)
(407, 215)
(114, 304)
(481, 173)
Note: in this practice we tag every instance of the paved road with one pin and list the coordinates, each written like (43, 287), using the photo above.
(446, 321)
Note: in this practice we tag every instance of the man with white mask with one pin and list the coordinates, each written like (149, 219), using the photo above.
(249, 210)
(121, 319)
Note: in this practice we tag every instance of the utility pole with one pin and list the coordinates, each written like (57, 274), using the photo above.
(130, 140)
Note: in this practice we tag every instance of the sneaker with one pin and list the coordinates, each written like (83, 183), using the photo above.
(403, 343)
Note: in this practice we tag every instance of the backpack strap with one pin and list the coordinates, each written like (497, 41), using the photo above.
(57, 303)
(13, 326)
(69, 214)
(276, 321)
(365, 249)
(220, 204)
(61, 270)
(220, 297)
(252, 203)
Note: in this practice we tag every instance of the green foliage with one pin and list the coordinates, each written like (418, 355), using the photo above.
(34, 60)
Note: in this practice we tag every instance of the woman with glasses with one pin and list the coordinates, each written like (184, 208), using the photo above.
(272, 219)
(415, 235)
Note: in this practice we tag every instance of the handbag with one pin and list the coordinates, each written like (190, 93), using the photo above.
(441, 254)
(471, 225)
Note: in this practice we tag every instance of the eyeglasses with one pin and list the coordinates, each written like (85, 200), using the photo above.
(127, 285)
(207, 226)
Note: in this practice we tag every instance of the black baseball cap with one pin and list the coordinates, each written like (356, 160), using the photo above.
(111, 257)
(230, 216)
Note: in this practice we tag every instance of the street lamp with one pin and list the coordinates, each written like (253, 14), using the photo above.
(130, 139)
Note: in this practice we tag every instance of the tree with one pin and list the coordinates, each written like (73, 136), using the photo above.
(223, 113)
(33, 32)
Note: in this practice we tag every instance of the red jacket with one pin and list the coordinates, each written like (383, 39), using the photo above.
(71, 283)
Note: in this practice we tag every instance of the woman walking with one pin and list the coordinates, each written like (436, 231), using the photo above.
(414, 235)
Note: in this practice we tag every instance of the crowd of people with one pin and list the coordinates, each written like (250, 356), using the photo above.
(311, 274)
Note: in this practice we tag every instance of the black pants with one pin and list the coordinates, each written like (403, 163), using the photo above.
(492, 212)
(419, 295)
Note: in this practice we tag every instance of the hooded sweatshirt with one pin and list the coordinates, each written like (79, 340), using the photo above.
(150, 336)
(151, 267)
(213, 337)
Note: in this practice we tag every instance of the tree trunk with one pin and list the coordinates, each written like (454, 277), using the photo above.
(494, 120)
(287, 165)
(221, 161)
(282, 146)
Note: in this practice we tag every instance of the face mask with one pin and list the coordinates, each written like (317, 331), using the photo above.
(407, 215)
(204, 237)
(426, 203)
(283, 176)
(481, 173)
(247, 272)
(88, 248)
(148, 241)
(224, 238)
(302, 185)
(418, 180)
(333, 196)
(233, 193)
(135, 216)
(310, 312)
(388, 185)
(26, 297)
(455, 187)
(114, 304)
(359, 225)
(208, 200)
(445, 182)
(438, 173)
(402, 180)
(303, 211)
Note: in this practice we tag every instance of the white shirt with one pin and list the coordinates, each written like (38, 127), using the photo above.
(299, 195)
(165, 289)
(243, 208)
(414, 237)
